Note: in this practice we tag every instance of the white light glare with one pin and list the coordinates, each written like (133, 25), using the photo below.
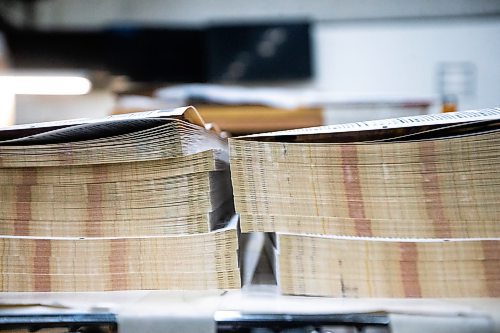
(44, 85)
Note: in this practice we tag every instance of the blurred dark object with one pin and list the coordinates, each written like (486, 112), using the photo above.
(143, 54)
(32, 49)
(253, 52)
(155, 54)
(259, 52)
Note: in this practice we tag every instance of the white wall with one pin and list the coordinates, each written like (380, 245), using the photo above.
(402, 56)
(36, 109)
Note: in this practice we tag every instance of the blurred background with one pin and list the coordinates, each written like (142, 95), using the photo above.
(249, 66)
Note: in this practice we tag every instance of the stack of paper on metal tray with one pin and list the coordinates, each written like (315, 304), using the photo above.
(140, 201)
(367, 209)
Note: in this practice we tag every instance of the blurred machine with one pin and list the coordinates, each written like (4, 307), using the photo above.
(217, 53)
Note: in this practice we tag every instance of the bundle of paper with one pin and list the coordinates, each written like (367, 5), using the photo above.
(116, 139)
(208, 261)
(416, 177)
(122, 199)
(388, 267)
(153, 176)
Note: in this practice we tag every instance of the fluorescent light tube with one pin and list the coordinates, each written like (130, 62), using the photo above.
(44, 85)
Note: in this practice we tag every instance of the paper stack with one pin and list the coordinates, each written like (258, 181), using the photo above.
(378, 202)
(140, 201)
